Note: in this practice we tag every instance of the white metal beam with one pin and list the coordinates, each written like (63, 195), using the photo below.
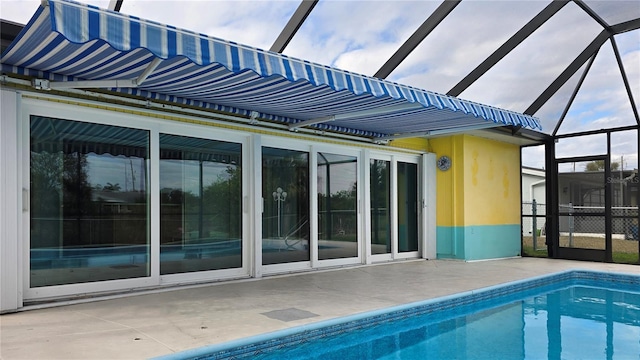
(150, 68)
(42, 84)
(83, 84)
(363, 113)
(438, 132)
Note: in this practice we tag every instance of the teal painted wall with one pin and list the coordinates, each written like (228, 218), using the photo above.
(478, 242)
(450, 242)
(492, 241)
(478, 199)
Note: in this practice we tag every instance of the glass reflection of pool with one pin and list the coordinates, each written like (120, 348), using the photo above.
(570, 315)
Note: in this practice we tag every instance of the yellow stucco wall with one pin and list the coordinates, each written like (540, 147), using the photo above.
(483, 185)
(491, 182)
(450, 184)
(420, 144)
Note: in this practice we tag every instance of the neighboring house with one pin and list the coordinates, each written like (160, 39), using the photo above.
(533, 189)
(583, 192)
(533, 185)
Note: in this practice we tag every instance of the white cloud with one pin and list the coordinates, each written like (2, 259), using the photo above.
(364, 61)
(19, 11)
(602, 101)
(528, 70)
(253, 23)
(533, 156)
(470, 33)
(357, 36)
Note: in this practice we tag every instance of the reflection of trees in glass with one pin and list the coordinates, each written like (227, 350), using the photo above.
(379, 172)
(337, 205)
(46, 191)
(73, 221)
(112, 187)
(218, 215)
(380, 202)
(46, 171)
(53, 175)
(343, 199)
(224, 201)
(338, 214)
(68, 210)
(407, 203)
(76, 198)
(598, 165)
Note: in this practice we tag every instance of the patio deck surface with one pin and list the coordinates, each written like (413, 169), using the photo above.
(156, 323)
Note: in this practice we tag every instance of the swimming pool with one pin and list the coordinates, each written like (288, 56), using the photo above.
(574, 314)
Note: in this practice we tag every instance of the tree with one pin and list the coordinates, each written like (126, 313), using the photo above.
(46, 198)
(223, 202)
(598, 165)
(112, 187)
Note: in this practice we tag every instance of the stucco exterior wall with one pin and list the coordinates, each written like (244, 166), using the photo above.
(478, 211)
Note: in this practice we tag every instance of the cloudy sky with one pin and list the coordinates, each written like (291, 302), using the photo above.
(360, 36)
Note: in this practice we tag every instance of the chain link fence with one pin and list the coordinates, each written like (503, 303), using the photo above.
(590, 221)
(577, 221)
(534, 224)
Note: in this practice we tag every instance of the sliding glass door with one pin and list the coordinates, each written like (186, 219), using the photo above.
(112, 206)
(394, 195)
(380, 205)
(285, 216)
(200, 204)
(89, 213)
(407, 202)
(337, 206)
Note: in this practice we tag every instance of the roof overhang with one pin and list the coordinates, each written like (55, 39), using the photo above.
(72, 45)
(513, 135)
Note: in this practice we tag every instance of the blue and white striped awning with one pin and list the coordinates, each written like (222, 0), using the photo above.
(78, 45)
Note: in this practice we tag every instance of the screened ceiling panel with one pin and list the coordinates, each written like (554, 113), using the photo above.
(600, 103)
(615, 11)
(552, 110)
(517, 80)
(462, 41)
(357, 36)
(629, 48)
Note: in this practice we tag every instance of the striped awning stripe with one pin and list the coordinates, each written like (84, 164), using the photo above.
(67, 41)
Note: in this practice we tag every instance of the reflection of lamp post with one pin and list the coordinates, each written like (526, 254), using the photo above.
(279, 196)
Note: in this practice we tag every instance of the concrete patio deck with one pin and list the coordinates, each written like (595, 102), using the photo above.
(157, 323)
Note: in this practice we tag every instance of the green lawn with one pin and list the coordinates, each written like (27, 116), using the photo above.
(618, 257)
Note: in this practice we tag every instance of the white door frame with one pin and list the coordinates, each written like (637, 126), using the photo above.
(425, 187)
(347, 151)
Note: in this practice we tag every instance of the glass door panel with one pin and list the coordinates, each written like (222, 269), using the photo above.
(337, 206)
(407, 207)
(380, 181)
(200, 204)
(285, 216)
(89, 202)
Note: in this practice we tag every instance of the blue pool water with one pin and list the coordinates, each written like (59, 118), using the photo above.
(571, 315)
